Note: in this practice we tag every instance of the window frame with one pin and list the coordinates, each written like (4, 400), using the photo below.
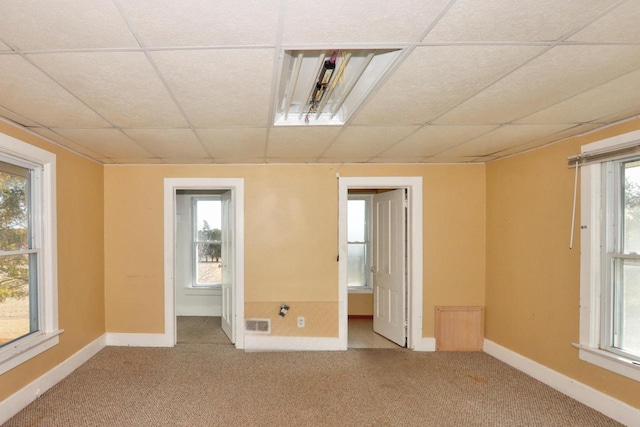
(598, 198)
(44, 203)
(368, 288)
(194, 241)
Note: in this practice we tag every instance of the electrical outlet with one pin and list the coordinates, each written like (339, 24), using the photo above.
(300, 322)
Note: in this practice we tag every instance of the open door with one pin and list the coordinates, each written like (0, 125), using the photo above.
(389, 295)
(228, 319)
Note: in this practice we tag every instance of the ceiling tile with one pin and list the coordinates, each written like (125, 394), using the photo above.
(436, 78)
(240, 160)
(433, 139)
(358, 21)
(291, 159)
(366, 142)
(204, 23)
(17, 118)
(594, 104)
(169, 143)
(234, 143)
(63, 24)
(303, 142)
(4, 46)
(558, 74)
(136, 161)
(624, 115)
(28, 92)
(502, 138)
(107, 142)
(59, 139)
(453, 159)
(228, 87)
(122, 86)
(619, 25)
(508, 20)
(397, 160)
(343, 159)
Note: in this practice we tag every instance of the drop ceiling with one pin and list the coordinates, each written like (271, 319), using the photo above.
(198, 81)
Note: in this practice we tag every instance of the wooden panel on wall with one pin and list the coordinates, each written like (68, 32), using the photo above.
(459, 328)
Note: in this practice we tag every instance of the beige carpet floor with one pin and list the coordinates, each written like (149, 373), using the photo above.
(217, 385)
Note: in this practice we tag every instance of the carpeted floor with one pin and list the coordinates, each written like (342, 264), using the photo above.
(211, 385)
(200, 330)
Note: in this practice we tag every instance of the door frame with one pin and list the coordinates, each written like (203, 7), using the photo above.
(414, 285)
(171, 185)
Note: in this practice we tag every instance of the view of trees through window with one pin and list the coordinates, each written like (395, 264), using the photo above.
(14, 265)
(208, 242)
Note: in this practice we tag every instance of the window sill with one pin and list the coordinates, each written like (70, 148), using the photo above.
(362, 290)
(27, 348)
(609, 361)
(203, 290)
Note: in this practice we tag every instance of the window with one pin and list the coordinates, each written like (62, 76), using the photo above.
(28, 291)
(610, 256)
(207, 241)
(359, 276)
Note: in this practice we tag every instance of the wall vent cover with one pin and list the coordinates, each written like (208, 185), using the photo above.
(257, 326)
(326, 87)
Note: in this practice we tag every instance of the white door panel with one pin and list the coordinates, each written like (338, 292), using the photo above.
(389, 266)
(227, 236)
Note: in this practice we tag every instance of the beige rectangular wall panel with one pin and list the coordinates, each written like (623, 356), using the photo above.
(459, 328)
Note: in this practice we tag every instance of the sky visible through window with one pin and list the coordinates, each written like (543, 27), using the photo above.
(209, 210)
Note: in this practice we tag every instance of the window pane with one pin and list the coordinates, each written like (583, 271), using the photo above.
(209, 267)
(16, 318)
(356, 221)
(631, 215)
(209, 255)
(14, 208)
(626, 307)
(356, 263)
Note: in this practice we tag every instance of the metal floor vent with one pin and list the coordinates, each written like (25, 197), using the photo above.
(257, 326)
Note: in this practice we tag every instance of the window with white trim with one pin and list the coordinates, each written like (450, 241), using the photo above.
(28, 283)
(207, 241)
(610, 255)
(359, 277)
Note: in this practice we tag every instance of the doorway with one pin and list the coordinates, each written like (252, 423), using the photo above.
(397, 310)
(225, 250)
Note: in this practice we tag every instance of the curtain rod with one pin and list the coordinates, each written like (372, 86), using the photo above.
(599, 156)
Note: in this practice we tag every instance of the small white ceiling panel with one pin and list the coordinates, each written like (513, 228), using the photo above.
(234, 143)
(619, 25)
(63, 24)
(228, 87)
(59, 139)
(431, 140)
(169, 143)
(122, 86)
(358, 21)
(369, 141)
(17, 118)
(30, 93)
(509, 20)
(300, 141)
(109, 143)
(434, 79)
(558, 74)
(203, 22)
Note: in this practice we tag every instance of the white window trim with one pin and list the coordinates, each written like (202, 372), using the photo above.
(193, 285)
(368, 289)
(31, 345)
(591, 212)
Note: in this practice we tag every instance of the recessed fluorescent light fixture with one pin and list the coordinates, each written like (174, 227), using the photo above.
(325, 87)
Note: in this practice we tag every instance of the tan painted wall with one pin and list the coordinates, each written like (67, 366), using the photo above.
(291, 215)
(80, 261)
(361, 304)
(533, 278)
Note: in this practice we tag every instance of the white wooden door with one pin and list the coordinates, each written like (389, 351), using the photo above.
(389, 296)
(227, 236)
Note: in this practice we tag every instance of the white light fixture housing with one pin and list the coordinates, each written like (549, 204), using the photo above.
(325, 87)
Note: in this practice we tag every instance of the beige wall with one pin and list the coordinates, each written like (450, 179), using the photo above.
(80, 261)
(533, 278)
(290, 243)
(360, 304)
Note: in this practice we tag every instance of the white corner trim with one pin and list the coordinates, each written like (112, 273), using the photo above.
(612, 408)
(425, 344)
(271, 343)
(23, 397)
(139, 340)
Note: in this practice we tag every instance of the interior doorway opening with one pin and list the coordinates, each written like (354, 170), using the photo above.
(395, 268)
(204, 255)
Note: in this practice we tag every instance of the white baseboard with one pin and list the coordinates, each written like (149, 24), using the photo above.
(23, 397)
(199, 311)
(138, 340)
(613, 408)
(271, 343)
(425, 344)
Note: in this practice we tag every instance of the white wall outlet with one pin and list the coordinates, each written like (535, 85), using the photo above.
(301, 322)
